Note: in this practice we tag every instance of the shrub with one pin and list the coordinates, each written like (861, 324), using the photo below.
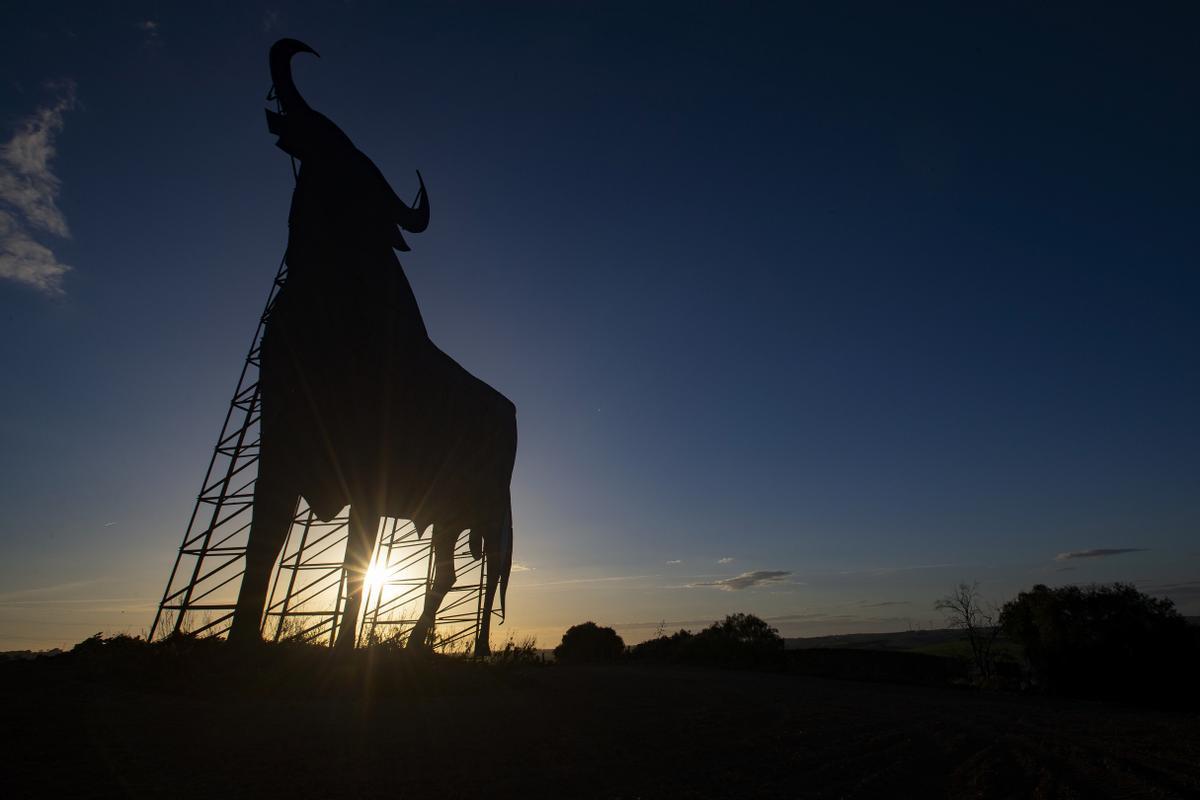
(737, 640)
(514, 653)
(663, 648)
(1108, 640)
(588, 643)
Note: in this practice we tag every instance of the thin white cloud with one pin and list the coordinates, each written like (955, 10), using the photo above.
(516, 567)
(748, 580)
(28, 197)
(674, 561)
(726, 560)
(1099, 552)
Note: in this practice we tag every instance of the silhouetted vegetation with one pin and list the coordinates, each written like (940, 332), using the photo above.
(209, 666)
(196, 718)
(589, 643)
(524, 652)
(1105, 641)
(739, 640)
(882, 666)
(966, 611)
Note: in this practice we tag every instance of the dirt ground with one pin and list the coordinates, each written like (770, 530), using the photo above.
(603, 732)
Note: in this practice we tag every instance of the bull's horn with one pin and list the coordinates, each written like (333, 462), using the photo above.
(281, 73)
(415, 219)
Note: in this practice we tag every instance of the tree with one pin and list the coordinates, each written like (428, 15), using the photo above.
(589, 643)
(737, 640)
(965, 610)
(1109, 640)
(747, 630)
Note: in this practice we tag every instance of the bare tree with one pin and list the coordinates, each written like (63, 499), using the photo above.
(965, 610)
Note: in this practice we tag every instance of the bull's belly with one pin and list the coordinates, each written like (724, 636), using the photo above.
(423, 443)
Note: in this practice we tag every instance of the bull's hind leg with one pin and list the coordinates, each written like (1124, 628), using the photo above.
(274, 505)
(482, 643)
(364, 527)
(498, 549)
(443, 582)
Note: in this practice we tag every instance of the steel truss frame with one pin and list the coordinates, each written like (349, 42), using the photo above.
(307, 592)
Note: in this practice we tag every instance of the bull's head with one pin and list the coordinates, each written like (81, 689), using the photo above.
(308, 134)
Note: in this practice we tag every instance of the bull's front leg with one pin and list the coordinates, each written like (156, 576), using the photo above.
(364, 527)
(271, 518)
(443, 582)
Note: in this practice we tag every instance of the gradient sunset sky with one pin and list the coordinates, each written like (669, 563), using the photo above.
(806, 313)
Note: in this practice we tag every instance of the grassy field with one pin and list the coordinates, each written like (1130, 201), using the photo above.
(208, 722)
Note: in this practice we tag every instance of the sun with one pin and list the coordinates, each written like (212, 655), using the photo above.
(375, 578)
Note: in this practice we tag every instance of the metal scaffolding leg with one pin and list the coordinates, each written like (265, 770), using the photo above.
(307, 588)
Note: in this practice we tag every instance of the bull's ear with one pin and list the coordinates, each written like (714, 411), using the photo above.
(398, 242)
(275, 122)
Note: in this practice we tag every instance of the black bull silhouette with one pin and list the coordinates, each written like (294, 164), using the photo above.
(358, 405)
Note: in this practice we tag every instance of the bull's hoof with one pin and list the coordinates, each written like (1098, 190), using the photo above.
(244, 638)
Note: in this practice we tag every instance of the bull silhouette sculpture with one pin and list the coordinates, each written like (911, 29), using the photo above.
(359, 407)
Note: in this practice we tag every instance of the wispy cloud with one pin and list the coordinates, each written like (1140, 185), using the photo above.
(1180, 591)
(1100, 552)
(748, 580)
(28, 194)
(576, 581)
(891, 570)
(37, 591)
(516, 566)
(151, 29)
(726, 560)
(674, 561)
(89, 593)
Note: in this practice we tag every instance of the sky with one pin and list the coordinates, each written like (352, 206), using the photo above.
(811, 313)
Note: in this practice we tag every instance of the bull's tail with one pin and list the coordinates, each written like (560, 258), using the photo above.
(506, 553)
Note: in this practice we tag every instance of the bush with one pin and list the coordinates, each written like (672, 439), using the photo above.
(588, 643)
(738, 640)
(1107, 641)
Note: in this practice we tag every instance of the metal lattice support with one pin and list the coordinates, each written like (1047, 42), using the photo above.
(307, 588)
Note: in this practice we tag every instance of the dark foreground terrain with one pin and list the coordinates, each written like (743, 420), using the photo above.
(222, 725)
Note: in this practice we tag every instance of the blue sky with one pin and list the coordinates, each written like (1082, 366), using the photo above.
(849, 304)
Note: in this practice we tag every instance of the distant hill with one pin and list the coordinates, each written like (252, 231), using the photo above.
(26, 655)
(900, 640)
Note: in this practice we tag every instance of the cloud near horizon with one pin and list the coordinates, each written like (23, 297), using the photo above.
(28, 193)
(1180, 591)
(748, 580)
(1100, 552)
